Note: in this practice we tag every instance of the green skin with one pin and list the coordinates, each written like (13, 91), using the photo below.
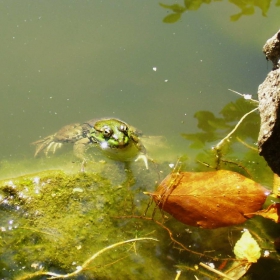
(116, 139)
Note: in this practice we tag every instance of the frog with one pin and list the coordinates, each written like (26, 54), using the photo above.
(115, 138)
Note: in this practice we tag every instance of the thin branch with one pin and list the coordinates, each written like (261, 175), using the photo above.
(218, 146)
(178, 273)
(85, 264)
(245, 96)
(246, 145)
(215, 270)
(181, 246)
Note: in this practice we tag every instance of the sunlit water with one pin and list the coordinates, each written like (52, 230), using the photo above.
(71, 61)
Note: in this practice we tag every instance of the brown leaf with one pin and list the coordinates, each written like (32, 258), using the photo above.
(209, 199)
(271, 212)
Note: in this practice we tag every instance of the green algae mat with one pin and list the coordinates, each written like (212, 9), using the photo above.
(57, 225)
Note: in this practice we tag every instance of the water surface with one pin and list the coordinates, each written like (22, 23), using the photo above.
(71, 61)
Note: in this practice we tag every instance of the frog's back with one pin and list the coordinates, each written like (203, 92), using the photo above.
(69, 133)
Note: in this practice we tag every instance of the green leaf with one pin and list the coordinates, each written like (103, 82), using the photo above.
(247, 7)
(193, 5)
(218, 124)
(235, 17)
(248, 10)
(176, 8)
(172, 18)
(247, 248)
(199, 139)
(263, 5)
(208, 122)
(233, 111)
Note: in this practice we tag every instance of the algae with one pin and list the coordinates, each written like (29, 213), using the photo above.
(54, 221)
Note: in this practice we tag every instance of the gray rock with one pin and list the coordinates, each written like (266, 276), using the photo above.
(269, 102)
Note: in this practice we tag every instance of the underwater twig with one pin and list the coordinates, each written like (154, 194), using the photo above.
(169, 189)
(238, 165)
(178, 273)
(218, 146)
(225, 161)
(86, 263)
(37, 230)
(194, 269)
(245, 96)
(173, 239)
(215, 270)
(111, 263)
(239, 270)
(205, 164)
(148, 206)
(246, 145)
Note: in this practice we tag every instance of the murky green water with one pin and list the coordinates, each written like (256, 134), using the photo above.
(71, 61)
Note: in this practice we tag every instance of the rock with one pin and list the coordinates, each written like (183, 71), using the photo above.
(272, 50)
(269, 102)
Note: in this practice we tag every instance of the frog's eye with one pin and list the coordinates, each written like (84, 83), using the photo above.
(107, 131)
(123, 128)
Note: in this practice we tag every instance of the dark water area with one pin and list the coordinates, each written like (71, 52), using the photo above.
(163, 67)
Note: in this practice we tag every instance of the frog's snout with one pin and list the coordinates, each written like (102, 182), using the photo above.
(121, 139)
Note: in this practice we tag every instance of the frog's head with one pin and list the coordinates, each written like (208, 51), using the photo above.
(118, 140)
(110, 133)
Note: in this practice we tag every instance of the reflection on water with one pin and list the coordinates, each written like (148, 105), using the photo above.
(70, 61)
(247, 8)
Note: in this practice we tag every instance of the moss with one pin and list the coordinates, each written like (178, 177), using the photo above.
(60, 220)
(55, 221)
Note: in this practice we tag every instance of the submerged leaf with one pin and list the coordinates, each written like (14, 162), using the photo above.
(208, 122)
(210, 199)
(271, 212)
(247, 248)
(199, 139)
(233, 111)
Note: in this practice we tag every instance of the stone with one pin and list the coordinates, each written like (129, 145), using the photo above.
(269, 103)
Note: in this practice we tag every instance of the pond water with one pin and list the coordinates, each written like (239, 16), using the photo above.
(158, 66)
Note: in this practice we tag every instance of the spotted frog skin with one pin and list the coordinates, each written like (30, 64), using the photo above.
(116, 139)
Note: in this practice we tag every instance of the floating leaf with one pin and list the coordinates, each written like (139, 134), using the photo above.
(271, 212)
(247, 248)
(210, 199)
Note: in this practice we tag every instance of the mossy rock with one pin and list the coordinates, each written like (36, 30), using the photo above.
(55, 221)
